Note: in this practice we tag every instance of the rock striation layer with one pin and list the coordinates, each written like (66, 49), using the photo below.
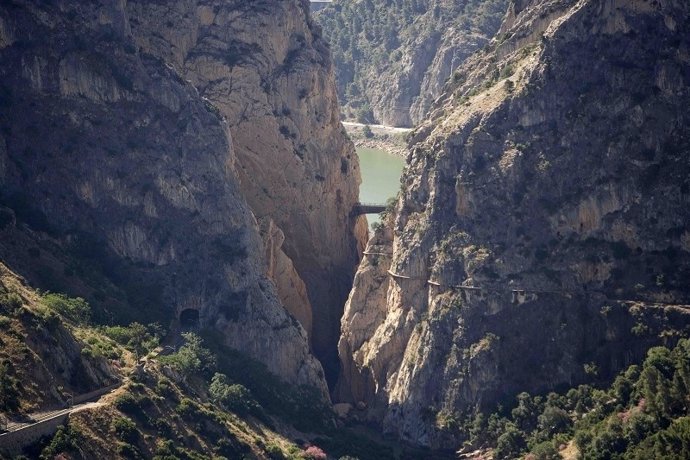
(115, 149)
(540, 239)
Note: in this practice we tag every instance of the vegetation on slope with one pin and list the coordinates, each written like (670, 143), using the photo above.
(202, 401)
(643, 414)
(377, 42)
(47, 355)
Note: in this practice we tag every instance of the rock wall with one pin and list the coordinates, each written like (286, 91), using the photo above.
(265, 67)
(107, 149)
(541, 230)
(392, 59)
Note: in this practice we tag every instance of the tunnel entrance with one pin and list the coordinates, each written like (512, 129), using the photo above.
(189, 319)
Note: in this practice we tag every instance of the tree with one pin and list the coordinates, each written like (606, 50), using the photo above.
(76, 309)
(192, 358)
(234, 397)
(510, 444)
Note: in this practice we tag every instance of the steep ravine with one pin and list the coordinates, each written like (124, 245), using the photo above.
(160, 159)
(540, 238)
(266, 68)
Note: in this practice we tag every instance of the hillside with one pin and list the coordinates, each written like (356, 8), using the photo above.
(201, 401)
(539, 239)
(392, 57)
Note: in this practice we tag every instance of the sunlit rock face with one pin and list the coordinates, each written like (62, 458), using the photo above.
(542, 223)
(267, 70)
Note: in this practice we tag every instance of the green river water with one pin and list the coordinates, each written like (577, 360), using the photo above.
(380, 177)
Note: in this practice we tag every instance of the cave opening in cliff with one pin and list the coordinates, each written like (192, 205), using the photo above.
(189, 319)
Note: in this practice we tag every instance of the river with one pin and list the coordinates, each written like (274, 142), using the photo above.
(380, 177)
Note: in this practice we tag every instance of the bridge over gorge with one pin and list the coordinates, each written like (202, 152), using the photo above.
(367, 208)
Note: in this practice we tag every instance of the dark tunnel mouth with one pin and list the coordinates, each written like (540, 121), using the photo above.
(189, 319)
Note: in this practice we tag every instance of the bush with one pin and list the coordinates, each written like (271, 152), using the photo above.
(126, 430)
(545, 451)
(554, 420)
(10, 301)
(235, 397)
(136, 337)
(75, 309)
(9, 393)
(192, 358)
(365, 114)
(315, 453)
(510, 444)
(189, 410)
(128, 451)
(66, 439)
(368, 133)
(274, 452)
(132, 405)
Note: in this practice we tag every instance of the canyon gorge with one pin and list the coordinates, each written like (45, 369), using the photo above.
(179, 220)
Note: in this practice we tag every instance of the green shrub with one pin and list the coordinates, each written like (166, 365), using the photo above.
(133, 405)
(509, 444)
(75, 309)
(274, 452)
(192, 358)
(365, 114)
(126, 430)
(136, 337)
(66, 439)
(5, 322)
(10, 301)
(9, 392)
(545, 451)
(235, 397)
(164, 388)
(188, 409)
(128, 451)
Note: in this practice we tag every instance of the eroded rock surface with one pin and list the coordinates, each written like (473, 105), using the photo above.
(110, 152)
(542, 229)
(267, 70)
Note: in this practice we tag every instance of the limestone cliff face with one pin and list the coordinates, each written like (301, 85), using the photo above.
(542, 228)
(109, 155)
(392, 59)
(266, 68)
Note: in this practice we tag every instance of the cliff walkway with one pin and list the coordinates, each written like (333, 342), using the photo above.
(520, 295)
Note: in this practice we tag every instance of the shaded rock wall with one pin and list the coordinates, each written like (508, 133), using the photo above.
(106, 148)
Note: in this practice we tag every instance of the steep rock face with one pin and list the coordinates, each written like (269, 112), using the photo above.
(108, 151)
(393, 58)
(265, 67)
(541, 234)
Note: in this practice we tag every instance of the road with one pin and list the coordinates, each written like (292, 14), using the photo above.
(389, 129)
